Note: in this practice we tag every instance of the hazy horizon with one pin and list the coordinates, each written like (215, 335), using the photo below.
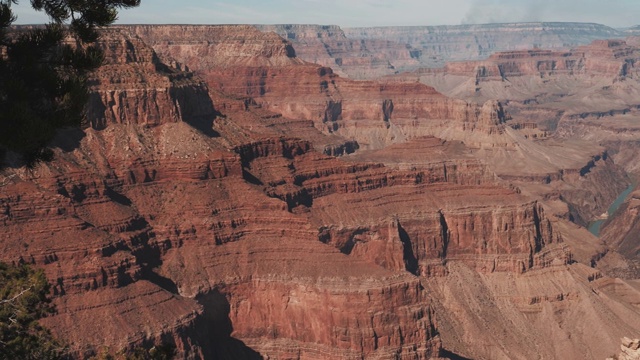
(356, 13)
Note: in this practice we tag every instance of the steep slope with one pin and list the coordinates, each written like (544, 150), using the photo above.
(375, 115)
(575, 100)
(345, 108)
(329, 46)
(382, 113)
(620, 232)
(367, 53)
(572, 100)
(134, 87)
(153, 232)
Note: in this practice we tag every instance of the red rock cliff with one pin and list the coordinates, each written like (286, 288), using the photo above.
(252, 244)
(135, 87)
(372, 113)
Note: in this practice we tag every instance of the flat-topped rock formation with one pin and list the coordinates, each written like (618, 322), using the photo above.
(570, 99)
(329, 46)
(366, 53)
(219, 45)
(376, 115)
(608, 58)
(336, 105)
(134, 87)
(543, 76)
(555, 33)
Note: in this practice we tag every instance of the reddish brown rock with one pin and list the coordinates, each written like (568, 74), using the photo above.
(612, 58)
(556, 100)
(371, 113)
(521, 312)
(134, 87)
(328, 46)
(620, 233)
(630, 349)
(367, 53)
(238, 239)
(155, 229)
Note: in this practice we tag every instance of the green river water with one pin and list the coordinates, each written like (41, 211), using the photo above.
(594, 227)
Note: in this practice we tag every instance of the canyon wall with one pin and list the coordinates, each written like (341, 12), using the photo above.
(134, 87)
(610, 58)
(366, 53)
(151, 230)
(620, 232)
(363, 111)
(572, 99)
(202, 207)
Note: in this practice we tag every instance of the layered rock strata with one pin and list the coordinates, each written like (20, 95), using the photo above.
(134, 87)
(611, 58)
(234, 238)
(557, 99)
(157, 227)
(489, 38)
(366, 53)
(373, 114)
(513, 316)
(329, 46)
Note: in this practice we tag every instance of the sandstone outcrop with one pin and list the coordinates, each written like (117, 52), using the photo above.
(371, 113)
(367, 53)
(572, 100)
(556, 99)
(422, 233)
(349, 109)
(329, 46)
(209, 46)
(630, 350)
(609, 58)
(513, 316)
(159, 228)
(134, 87)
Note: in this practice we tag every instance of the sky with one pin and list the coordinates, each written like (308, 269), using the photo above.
(353, 13)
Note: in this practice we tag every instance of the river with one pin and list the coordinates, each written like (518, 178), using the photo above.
(594, 227)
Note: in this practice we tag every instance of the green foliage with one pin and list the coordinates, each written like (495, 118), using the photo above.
(23, 300)
(43, 71)
(161, 352)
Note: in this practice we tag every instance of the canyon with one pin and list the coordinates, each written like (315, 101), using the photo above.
(366, 53)
(231, 197)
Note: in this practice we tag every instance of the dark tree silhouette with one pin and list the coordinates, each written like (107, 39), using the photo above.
(43, 71)
(23, 300)
(43, 74)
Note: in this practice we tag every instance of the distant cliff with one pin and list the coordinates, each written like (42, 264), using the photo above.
(374, 51)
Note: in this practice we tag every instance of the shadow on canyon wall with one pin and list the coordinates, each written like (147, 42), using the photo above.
(218, 342)
(452, 356)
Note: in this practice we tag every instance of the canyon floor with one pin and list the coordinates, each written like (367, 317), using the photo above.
(312, 192)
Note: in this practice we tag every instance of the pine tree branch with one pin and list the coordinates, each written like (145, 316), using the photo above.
(17, 296)
(7, 180)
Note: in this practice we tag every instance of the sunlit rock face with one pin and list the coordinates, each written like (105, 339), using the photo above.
(204, 206)
(371, 52)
